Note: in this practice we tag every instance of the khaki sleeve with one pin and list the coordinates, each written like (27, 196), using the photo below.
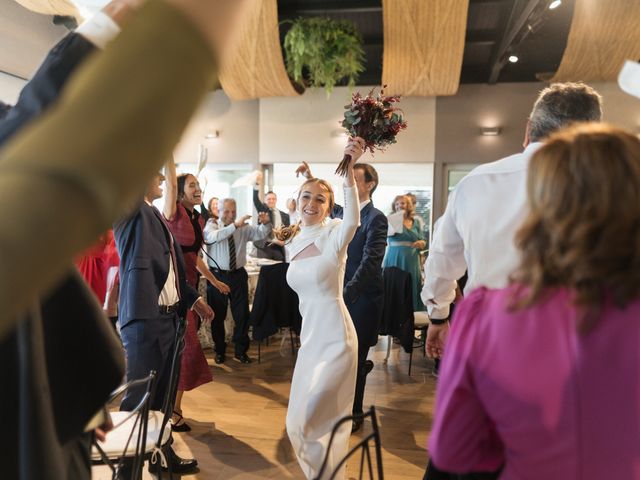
(67, 176)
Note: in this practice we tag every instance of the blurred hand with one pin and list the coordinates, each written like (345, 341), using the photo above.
(121, 10)
(242, 221)
(419, 244)
(436, 338)
(222, 287)
(263, 218)
(203, 310)
(277, 242)
(304, 170)
(259, 178)
(106, 427)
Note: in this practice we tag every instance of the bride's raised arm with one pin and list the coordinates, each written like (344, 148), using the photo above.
(351, 208)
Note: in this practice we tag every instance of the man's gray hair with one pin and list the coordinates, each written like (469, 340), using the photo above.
(561, 104)
(230, 200)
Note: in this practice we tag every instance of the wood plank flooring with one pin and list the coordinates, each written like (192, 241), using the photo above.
(238, 420)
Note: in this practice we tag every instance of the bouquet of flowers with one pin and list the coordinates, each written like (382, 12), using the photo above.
(375, 119)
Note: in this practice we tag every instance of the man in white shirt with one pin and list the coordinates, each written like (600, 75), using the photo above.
(227, 251)
(476, 232)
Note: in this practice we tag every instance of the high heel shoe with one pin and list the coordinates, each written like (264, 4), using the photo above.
(179, 425)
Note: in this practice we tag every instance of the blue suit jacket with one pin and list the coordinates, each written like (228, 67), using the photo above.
(363, 286)
(143, 245)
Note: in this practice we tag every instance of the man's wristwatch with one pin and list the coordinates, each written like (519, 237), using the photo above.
(438, 321)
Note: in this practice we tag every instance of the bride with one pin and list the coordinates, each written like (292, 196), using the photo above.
(324, 378)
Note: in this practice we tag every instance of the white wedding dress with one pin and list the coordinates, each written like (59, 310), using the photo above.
(324, 378)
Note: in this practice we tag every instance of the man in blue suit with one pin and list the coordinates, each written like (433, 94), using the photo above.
(154, 296)
(363, 286)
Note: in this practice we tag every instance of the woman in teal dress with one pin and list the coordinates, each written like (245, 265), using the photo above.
(404, 245)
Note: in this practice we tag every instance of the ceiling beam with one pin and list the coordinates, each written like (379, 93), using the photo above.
(518, 17)
(330, 7)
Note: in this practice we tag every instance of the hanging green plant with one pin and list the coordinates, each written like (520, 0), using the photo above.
(320, 52)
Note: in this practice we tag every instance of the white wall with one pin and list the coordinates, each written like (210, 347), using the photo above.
(10, 88)
(507, 105)
(296, 129)
(237, 123)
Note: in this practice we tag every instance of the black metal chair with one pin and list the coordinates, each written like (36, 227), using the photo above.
(363, 446)
(127, 441)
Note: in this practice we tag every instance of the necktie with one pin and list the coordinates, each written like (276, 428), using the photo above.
(232, 253)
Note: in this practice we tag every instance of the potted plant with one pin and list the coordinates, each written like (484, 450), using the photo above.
(320, 52)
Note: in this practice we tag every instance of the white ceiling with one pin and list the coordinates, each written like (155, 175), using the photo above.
(25, 38)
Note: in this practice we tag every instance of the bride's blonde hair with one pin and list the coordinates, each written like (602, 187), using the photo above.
(286, 234)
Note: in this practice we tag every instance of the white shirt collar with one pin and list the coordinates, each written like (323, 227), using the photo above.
(364, 204)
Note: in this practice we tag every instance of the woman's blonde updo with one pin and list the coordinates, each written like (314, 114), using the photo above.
(286, 234)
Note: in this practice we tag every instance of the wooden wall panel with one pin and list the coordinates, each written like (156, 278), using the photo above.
(423, 46)
(604, 33)
(257, 68)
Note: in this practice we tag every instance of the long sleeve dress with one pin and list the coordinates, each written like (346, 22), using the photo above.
(401, 254)
(324, 378)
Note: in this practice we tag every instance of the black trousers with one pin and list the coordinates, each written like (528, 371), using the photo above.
(361, 378)
(239, 298)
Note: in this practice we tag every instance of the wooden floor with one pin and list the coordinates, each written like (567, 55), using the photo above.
(238, 420)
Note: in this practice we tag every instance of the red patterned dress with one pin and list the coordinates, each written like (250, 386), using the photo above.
(187, 227)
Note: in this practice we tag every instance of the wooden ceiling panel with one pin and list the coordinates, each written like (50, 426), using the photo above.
(257, 68)
(423, 46)
(603, 35)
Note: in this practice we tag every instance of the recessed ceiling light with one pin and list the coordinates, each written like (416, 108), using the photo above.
(513, 58)
(555, 4)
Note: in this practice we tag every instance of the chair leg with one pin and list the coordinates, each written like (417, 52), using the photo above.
(259, 343)
(293, 348)
(389, 341)
(410, 359)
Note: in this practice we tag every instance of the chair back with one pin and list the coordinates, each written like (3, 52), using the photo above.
(128, 437)
(363, 446)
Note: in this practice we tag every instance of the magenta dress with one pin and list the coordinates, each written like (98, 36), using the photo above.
(526, 390)
(187, 230)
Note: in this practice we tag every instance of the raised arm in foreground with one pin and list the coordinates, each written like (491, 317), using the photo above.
(89, 155)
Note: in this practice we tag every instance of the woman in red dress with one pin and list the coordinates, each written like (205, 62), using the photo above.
(186, 224)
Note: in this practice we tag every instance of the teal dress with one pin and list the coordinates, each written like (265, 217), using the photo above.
(401, 254)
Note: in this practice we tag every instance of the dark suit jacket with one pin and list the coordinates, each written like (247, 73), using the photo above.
(143, 245)
(266, 250)
(262, 207)
(275, 304)
(64, 359)
(363, 286)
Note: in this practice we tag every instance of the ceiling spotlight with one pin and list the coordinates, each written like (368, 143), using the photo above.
(490, 131)
(555, 4)
(513, 58)
(212, 134)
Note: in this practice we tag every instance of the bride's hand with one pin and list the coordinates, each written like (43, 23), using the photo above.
(354, 149)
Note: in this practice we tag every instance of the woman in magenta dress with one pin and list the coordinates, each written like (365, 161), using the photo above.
(542, 378)
(186, 224)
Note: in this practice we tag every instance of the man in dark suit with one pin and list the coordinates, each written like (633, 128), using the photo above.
(270, 247)
(154, 297)
(64, 345)
(363, 286)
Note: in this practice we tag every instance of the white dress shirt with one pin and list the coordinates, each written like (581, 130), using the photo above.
(216, 235)
(476, 232)
(100, 29)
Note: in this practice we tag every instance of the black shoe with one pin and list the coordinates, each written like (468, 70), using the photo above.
(179, 465)
(368, 366)
(180, 425)
(357, 424)
(242, 358)
(220, 358)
